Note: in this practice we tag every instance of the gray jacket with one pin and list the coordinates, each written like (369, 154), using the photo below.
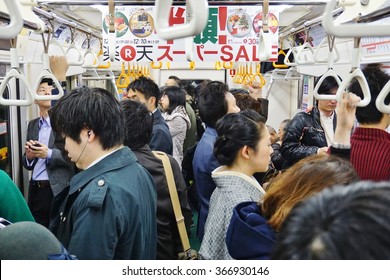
(232, 189)
(59, 168)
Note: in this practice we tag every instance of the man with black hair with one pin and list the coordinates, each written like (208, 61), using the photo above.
(44, 152)
(173, 81)
(146, 91)
(340, 223)
(139, 122)
(109, 211)
(215, 101)
(311, 132)
(369, 146)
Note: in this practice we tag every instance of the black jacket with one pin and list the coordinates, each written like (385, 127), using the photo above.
(168, 240)
(303, 137)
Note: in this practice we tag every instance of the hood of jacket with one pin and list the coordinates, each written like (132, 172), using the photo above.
(249, 237)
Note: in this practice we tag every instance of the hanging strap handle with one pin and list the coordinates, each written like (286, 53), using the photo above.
(15, 73)
(380, 100)
(174, 199)
(72, 46)
(16, 21)
(356, 73)
(352, 9)
(265, 44)
(332, 56)
(198, 22)
(277, 65)
(95, 61)
(123, 78)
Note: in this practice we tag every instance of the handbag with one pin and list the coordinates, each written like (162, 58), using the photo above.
(188, 253)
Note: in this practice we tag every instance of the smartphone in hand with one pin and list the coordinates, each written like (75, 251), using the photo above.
(35, 146)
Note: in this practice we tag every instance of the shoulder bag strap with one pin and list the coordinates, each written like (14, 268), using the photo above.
(174, 198)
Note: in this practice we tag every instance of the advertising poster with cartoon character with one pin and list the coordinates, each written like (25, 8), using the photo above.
(231, 34)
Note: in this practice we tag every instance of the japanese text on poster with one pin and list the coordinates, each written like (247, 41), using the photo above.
(231, 34)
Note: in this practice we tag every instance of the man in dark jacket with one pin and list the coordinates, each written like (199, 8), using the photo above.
(139, 124)
(44, 151)
(110, 207)
(146, 91)
(313, 131)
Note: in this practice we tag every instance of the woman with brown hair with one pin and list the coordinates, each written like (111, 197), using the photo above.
(251, 233)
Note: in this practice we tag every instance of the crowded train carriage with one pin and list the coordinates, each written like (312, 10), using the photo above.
(192, 129)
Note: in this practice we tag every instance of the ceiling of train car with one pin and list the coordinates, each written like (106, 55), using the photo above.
(294, 14)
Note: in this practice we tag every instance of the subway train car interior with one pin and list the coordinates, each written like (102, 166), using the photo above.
(279, 47)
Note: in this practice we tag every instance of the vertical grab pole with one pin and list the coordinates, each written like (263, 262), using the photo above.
(111, 31)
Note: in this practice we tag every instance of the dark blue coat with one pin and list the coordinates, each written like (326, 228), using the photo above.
(204, 163)
(249, 237)
(161, 139)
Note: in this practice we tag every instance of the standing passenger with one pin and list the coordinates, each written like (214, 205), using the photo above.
(44, 156)
(215, 101)
(172, 103)
(340, 223)
(13, 207)
(191, 135)
(311, 132)
(139, 122)
(252, 230)
(110, 208)
(242, 148)
(370, 143)
(276, 157)
(146, 91)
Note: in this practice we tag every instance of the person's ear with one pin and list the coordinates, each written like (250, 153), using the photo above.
(245, 152)
(152, 100)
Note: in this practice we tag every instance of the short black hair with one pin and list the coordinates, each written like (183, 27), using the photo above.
(89, 108)
(328, 84)
(139, 123)
(47, 80)
(339, 223)
(376, 79)
(146, 86)
(177, 80)
(212, 102)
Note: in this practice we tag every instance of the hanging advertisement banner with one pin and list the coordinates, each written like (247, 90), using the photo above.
(231, 34)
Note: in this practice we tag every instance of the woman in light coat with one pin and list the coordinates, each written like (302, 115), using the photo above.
(172, 102)
(243, 147)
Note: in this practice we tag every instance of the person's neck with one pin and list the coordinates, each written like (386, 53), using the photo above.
(44, 112)
(240, 168)
(98, 153)
(327, 113)
(381, 125)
